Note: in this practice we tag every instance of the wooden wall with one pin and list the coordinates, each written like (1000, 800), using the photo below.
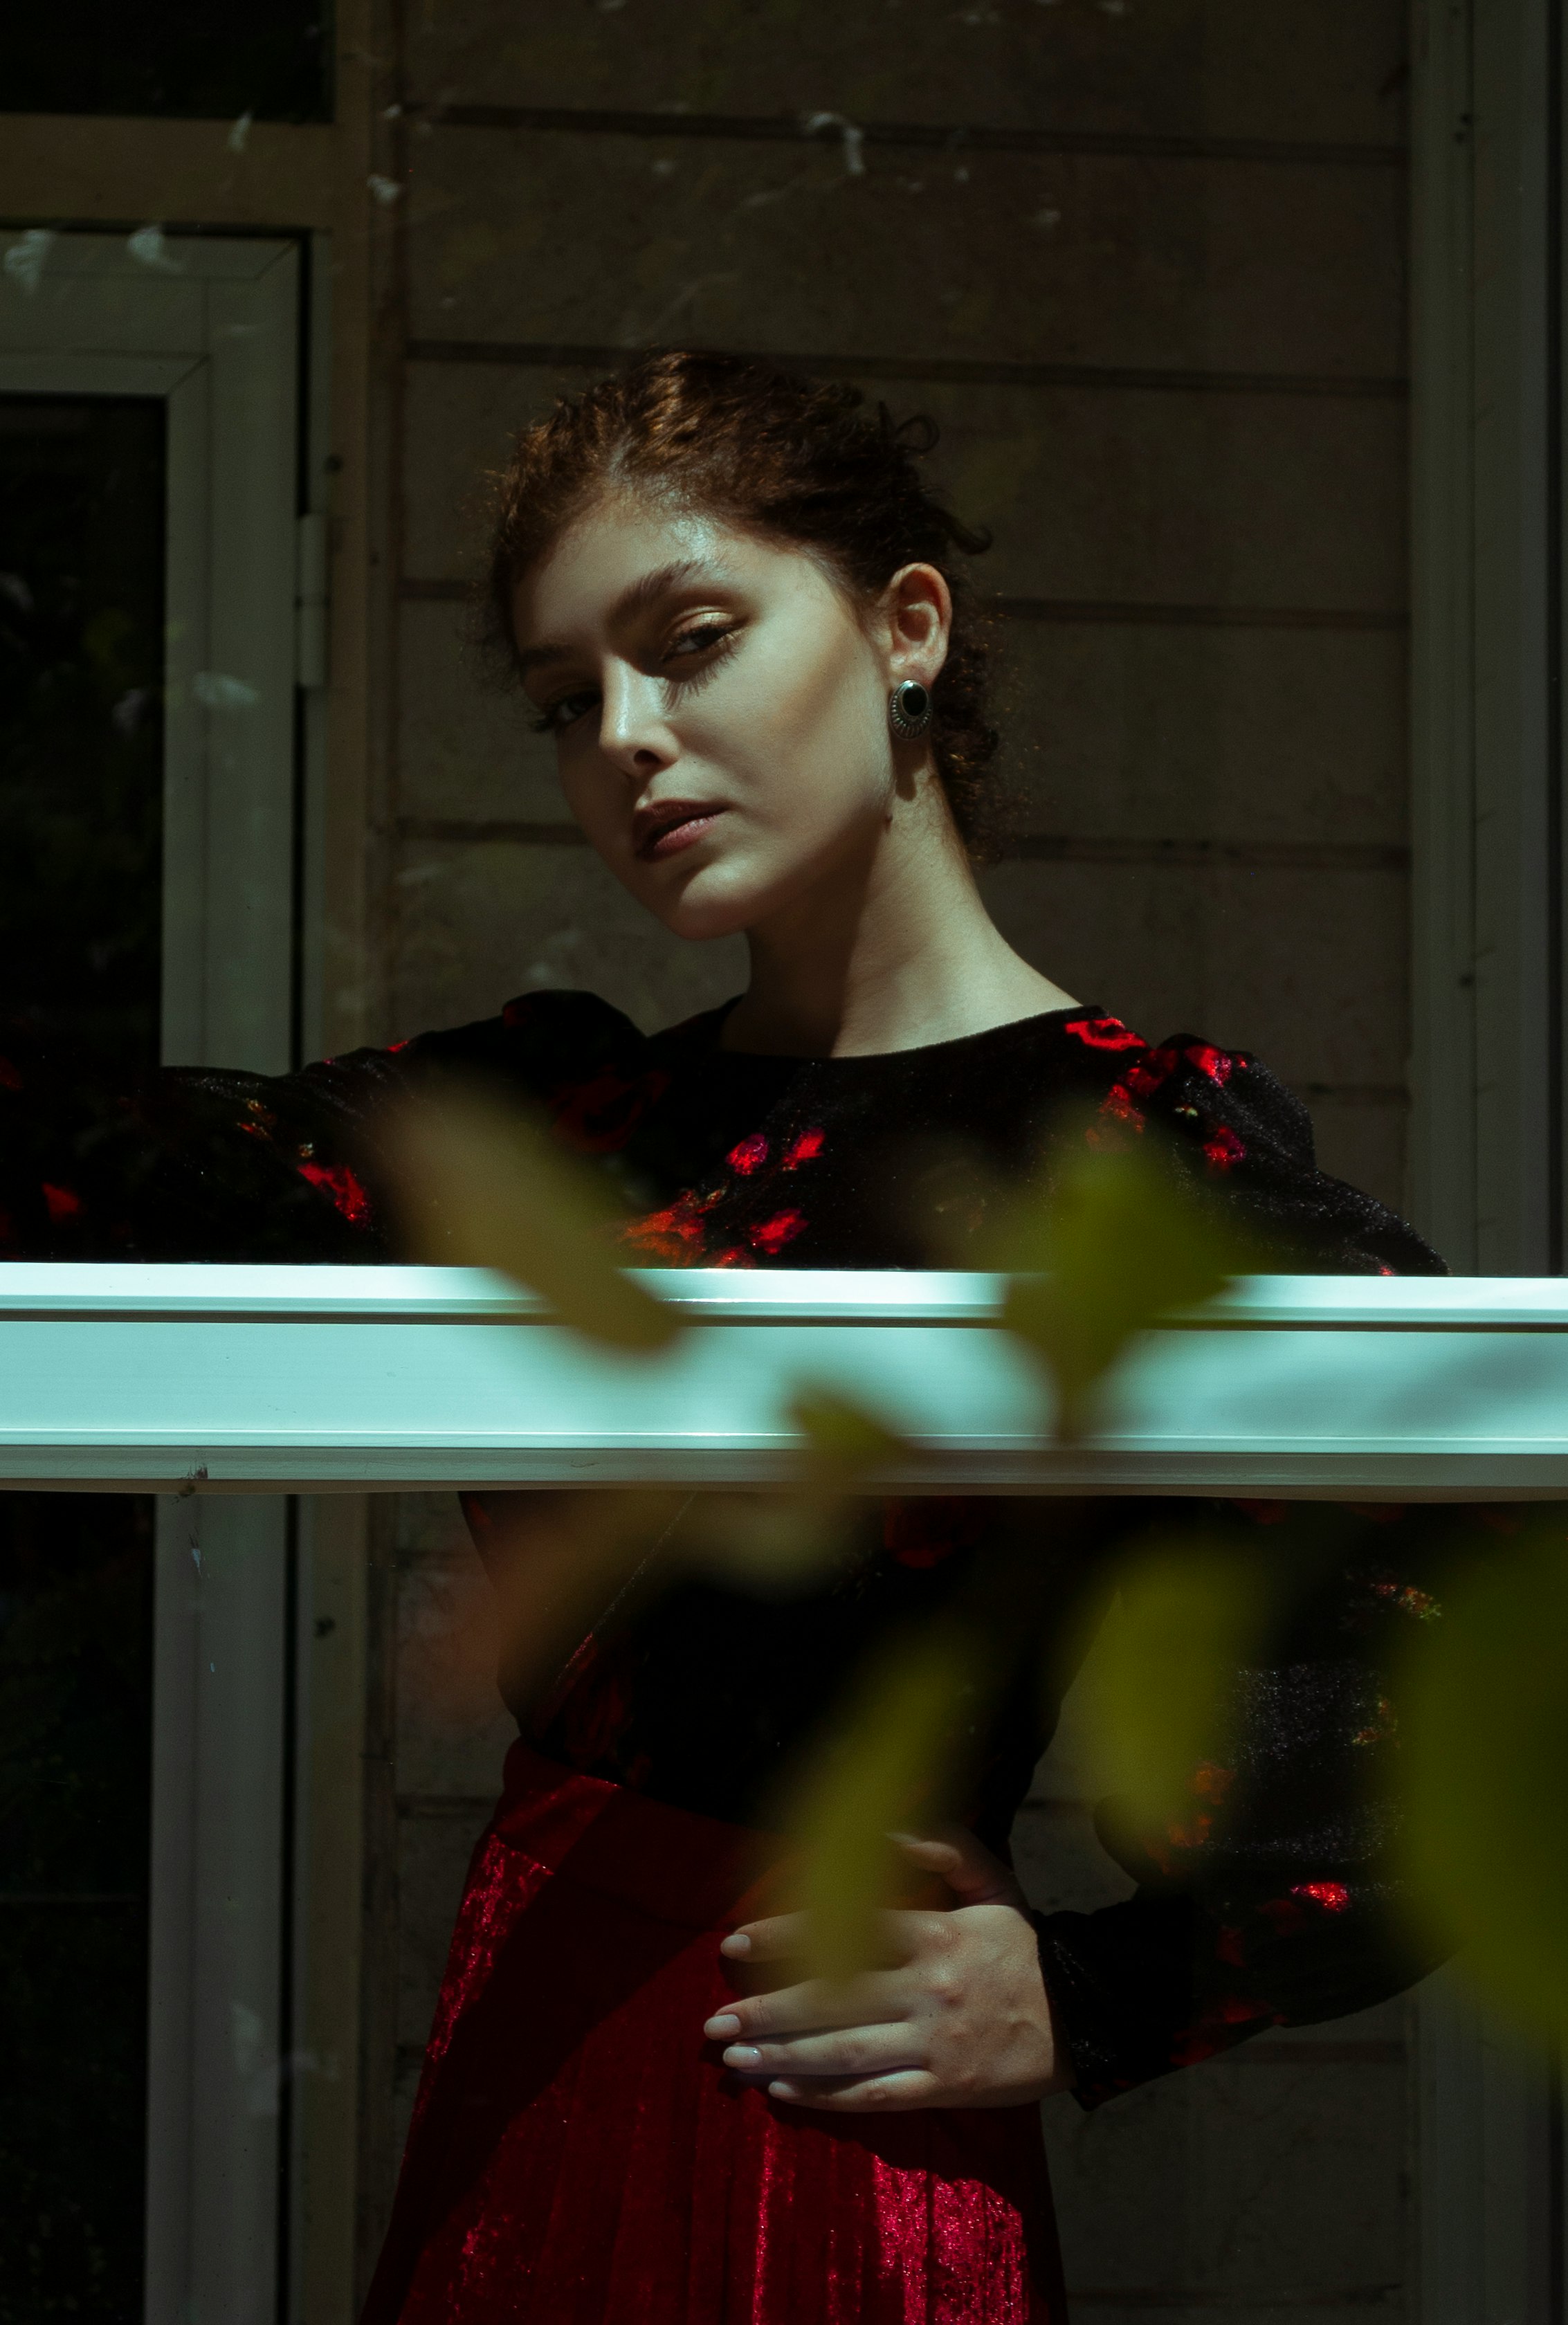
(1144, 259)
(1145, 264)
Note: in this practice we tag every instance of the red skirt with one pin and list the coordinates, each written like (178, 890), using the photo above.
(579, 2155)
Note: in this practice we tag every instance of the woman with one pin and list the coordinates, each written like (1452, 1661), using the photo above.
(732, 601)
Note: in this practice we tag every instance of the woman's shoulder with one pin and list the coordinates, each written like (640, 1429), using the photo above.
(557, 1030)
(1237, 1128)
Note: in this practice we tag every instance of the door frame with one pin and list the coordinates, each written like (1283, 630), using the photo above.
(229, 333)
(1489, 1070)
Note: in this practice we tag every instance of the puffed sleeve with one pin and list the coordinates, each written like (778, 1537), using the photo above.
(194, 1163)
(1246, 1140)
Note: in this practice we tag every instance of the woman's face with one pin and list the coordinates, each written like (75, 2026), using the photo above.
(719, 706)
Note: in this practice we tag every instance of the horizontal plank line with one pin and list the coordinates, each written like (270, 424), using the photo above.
(454, 831)
(1119, 610)
(418, 590)
(959, 371)
(925, 136)
(1269, 2053)
(1048, 848)
(56, 1897)
(1256, 2303)
(1259, 854)
(1368, 1094)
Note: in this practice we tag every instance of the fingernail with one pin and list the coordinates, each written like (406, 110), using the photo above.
(737, 1943)
(743, 2054)
(782, 2091)
(719, 2029)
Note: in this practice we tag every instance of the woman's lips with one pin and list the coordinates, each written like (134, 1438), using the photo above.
(677, 830)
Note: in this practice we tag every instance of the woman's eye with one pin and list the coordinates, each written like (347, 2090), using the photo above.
(559, 715)
(699, 639)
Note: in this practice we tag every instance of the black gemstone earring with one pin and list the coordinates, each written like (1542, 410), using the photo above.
(909, 709)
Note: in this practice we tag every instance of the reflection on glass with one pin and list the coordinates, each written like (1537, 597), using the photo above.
(81, 652)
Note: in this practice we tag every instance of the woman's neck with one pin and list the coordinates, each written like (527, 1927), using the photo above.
(889, 951)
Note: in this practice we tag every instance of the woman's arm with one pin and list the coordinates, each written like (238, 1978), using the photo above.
(201, 1163)
(1276, 1899)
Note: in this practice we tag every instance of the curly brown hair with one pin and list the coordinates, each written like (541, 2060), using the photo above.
(802, 461)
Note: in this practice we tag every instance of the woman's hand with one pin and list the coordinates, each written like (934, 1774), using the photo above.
(963, 2021)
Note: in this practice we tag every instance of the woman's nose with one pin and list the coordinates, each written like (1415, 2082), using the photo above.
(632, 728)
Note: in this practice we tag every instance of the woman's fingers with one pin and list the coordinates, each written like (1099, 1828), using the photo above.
(964, 1863)
(812, 2007)
(765, 1941)
(783, 1938)
(863, 2095)
(847, 2050)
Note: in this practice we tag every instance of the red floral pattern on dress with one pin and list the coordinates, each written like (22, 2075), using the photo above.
(1120, 1106)
(676, 1234)
(1104, 1033)
(1332, 1896)
(1218, 1064)
(1150, 1073)
(598, 1117)
(749, 1155)
(335, 1180)
(805, 1149)
(1222, 1149)
(1215, 2032)
(60, 1202)
(772, 1235)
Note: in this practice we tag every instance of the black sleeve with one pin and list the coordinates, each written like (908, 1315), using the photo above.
(193, 1163)
(1249, 1141)
(1276, 1901)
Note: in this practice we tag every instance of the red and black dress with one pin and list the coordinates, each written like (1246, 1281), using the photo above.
(578, 2153)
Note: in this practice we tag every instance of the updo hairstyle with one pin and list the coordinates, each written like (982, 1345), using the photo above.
(791, 460)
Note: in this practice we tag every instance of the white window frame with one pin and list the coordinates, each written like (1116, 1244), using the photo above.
(1490, 1075)
(212, 328)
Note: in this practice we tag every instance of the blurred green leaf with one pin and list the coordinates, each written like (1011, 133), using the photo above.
(1113, 1245)
(1156, 1693)
(843, 1441)
(481, 1185)
(1485, 1737)
(777, 1542)
(893, 1765)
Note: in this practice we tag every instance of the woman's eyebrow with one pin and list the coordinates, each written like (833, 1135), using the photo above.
(656, 584)
(631, 601)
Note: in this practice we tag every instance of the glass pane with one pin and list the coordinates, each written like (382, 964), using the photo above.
(176, 57)
(81, 655)
(76, 1604)
(81, 664)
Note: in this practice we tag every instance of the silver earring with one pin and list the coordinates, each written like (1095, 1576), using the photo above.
(909, 709)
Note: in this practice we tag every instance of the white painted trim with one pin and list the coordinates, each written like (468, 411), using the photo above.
(212, 328)
(1486, 1085)
(1442, 1159)
(245, 1380)
(1485, 561)
(215, 2038)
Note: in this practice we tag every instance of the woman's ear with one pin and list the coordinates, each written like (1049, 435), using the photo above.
(918, 606)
